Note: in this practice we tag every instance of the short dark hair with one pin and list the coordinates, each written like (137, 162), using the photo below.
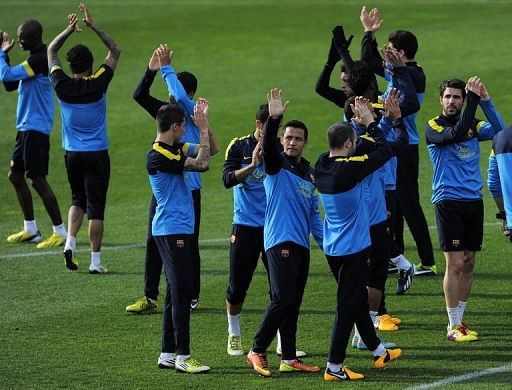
(188, 80)
(361, 78)
(452, 83)
(404, 40)
(262, 113)
(297, 124)
(30, 34)
(338, 134)
(80, 59)
(349, 114)
(167, 115)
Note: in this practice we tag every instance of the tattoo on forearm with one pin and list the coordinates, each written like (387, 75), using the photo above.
(57, 43)
(108, 41)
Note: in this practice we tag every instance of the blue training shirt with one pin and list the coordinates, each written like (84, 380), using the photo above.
(249, 199)
(35, 101)
(452, 144)
(500, 174)
(83, 108)
(292, 212)
(174, 205)
(192, 133)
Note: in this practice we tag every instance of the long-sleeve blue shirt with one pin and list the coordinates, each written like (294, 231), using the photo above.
(453, 148)
(292, 212)
(249, 199)
(192, 133)
(340, 181)
(499, 178)
(35, 99)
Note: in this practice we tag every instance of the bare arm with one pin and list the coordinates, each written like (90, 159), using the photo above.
(201, 163)
(113, 50)
(214, 147)
(59, 40)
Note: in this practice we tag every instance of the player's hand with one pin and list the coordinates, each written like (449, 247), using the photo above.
(484, 94)
(474, 85)
(200, 117)
(257, 153)
(340, 41)
(73, 23)
(87, 16)
(154, 62)
(7, 42)
(164, 54)
(393, 57)
(370, 20)
(276, 108)
(362, 112)
(392, 105)
(333, 57)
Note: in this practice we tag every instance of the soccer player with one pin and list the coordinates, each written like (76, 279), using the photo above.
(173, 224)
(452, 143)
(244, 172)
(290, 216)
(82, 100)
(339, 178)
(153, 262)
(34, 121)
(182, 88)
(499, 178)
(409, 205)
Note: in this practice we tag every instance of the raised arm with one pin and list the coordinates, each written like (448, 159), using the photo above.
(58, 41)
(271, 154)
(487, 131)
(170, 77)
(437, 134)
(369, 49)
(141, 94)
(113, 50)
(336, 96)
(201, 163)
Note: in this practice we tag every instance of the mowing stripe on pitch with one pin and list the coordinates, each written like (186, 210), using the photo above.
(462, 378)
(105, 248)
(134, 246)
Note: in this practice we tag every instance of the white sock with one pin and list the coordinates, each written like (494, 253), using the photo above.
(356, 332)
(30, 226)
(461, 307)
(401, 263)
(334, 367)
(453, 316)
(380, 350)
(95, 259)
(278, 340)
(181, 358)
(289, 361)
(60, 230)
(373, 315)
(70, 243)
(234, 324)
(167, 355)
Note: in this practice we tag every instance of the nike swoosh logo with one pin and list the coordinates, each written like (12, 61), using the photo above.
(246, 158)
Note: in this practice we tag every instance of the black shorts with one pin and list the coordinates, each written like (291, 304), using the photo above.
(88, 176)
(245, 250)
(460, 225)
(31, 153)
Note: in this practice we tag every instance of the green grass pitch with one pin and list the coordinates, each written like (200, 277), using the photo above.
(69, 330)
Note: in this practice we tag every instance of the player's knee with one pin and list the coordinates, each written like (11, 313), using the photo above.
(40, 185)
(15, 178)
(235, 297)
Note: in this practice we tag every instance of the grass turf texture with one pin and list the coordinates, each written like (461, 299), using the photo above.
(70, 330)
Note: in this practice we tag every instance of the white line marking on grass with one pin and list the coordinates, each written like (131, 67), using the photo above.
(105, 248)
(462, 378)
(133, 246)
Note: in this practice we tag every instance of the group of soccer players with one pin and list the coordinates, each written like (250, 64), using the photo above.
(367, 183)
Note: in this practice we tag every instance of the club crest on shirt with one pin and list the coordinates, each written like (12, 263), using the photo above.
(306, 189)
(470, 134)
(465, 152)
(233, 238)
(180, 243)
(285, 253)
(456, 243)
(257, 176)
